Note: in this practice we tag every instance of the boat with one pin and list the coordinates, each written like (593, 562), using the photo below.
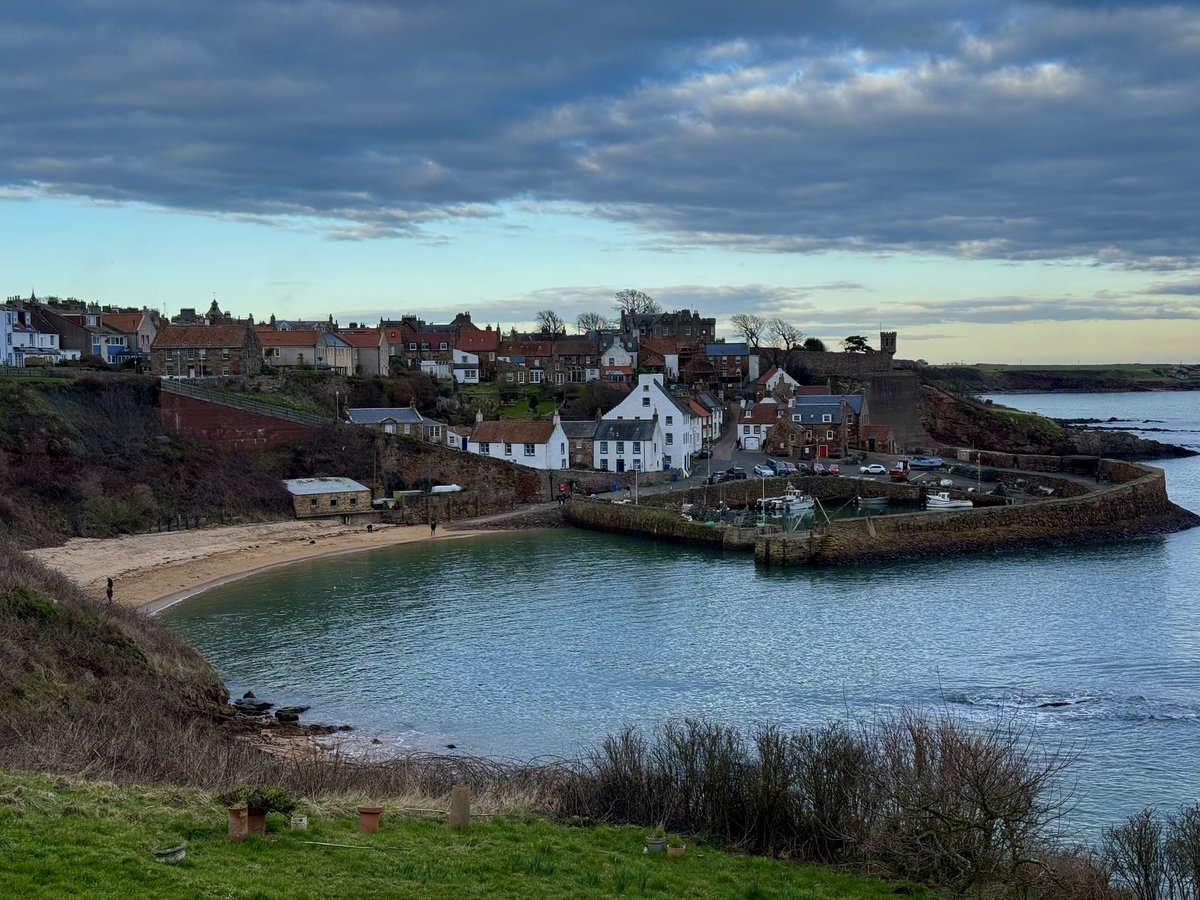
(793, 501)
(872, 502)
(925, 462)
(943, 500)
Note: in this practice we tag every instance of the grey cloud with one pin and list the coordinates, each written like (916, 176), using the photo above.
(1017, 130)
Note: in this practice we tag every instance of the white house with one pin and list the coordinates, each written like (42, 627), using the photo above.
(756, 423)
(539, 445)
(8, 325)
(466, 367)
(769, 380)
(628, 445)
(681, 430)
(615, 355)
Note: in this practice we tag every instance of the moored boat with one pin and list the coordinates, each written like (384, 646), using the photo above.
(943, 500)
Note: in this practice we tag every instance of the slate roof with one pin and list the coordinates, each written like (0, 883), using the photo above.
(625, 430)
(854, 401)
(269, 337)
(727, 349)
(402, 415)
(305, 486)
(584, 429)
(173, 337)
(512, 431)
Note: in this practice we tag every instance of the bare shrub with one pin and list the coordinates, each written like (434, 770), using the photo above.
(1135, 853)
(1183, 852)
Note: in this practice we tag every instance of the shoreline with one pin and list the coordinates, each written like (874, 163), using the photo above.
(152, 572)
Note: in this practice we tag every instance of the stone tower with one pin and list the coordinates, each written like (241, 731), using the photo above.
(887, 342)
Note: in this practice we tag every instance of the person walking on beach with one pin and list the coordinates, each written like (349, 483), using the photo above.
(432, 528)
(108, 590)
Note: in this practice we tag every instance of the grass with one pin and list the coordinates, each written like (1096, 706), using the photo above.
(63, 837)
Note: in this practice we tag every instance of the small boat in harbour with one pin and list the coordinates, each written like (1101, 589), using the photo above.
(943, 500)
(872, 502)
(792, 502)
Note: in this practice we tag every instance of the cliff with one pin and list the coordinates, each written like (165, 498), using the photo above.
(954, 421)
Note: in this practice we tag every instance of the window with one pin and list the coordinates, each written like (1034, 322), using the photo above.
(520, 378)
(637, 465)
(507, 449)
(412, 345)
(758, 429)
(225, 353)
(612, 360)
(313, 503)
(670, 420)
(645, 388)
(508, 376)
(829, 434)
(670, 439)
(826, 417)
(443, 346)
(424, 345)
(559, 378)
(604, 446)
(666, 462)
(645, 401)
(354, 501)
(620, 448)
(562, 448)
(808, 435)
(485, 448)
(795, 417)
(529, 449)
(333, 501)
(603, 465)
(536, 376)
(637, 447)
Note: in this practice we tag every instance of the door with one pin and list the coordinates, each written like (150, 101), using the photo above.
(620, 465)
(822, 450)
(750, 443)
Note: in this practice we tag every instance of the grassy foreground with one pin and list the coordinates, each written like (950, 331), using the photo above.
(62, 837)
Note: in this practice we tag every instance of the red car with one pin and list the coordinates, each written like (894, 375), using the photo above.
(833, 469)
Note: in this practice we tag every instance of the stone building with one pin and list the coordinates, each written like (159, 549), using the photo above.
(324, 497)
(200, 351)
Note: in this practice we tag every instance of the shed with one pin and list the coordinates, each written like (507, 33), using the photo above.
(322, 497)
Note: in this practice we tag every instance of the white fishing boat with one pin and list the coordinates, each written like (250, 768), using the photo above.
(872, 502)
(943, 500)
(792, 502)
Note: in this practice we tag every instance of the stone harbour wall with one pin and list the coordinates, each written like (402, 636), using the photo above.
(1133, 503)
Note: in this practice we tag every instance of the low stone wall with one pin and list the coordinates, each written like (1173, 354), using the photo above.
(656, 522)
(1134, 503)
(1137, 507)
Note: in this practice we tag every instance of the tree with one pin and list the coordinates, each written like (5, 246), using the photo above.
(785, 334)
(550, 322)
(592, 321)
(815, 344)
(635, 302)
(856, 343)
(750, 327)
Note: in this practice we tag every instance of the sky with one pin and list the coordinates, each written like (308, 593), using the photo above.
(996, 181)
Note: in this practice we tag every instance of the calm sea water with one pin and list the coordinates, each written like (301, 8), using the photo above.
(540, 643)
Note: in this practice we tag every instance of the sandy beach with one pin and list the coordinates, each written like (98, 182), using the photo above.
(152, 571)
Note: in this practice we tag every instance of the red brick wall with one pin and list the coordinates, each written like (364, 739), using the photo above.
(228, 428)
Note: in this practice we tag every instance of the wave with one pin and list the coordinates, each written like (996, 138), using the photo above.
(1084, 704)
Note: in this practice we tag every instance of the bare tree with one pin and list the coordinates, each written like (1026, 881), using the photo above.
(592, 321)
(550, 322)
(635, 302)
(750, 327)
(784, 333)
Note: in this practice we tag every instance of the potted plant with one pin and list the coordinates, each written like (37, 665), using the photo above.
(368, 818)
(656, 840)
(248, 808)
(675, 845)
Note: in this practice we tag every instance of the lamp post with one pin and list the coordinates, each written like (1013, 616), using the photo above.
(336, 405)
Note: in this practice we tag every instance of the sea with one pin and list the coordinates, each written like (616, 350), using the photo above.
(538, 644)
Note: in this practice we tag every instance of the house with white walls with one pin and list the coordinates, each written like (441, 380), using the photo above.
(526, 442)
(628, 445)
(466, 366)
(681, 429)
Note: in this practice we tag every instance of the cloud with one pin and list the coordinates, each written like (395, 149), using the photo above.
(1016, 130)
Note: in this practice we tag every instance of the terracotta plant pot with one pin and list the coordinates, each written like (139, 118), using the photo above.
(256, 821)
(675, 851)
(368, 818)
(237, 823)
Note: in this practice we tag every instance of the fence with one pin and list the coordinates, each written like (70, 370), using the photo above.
(196, 392)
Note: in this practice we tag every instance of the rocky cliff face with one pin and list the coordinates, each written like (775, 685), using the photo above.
(956, 422)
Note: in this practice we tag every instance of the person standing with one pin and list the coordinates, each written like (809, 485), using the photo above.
(432, 528)
(108, 590)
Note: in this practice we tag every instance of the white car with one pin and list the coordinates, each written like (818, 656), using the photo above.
(873, 469)
(764, 471)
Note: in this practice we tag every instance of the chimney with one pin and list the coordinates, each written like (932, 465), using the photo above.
(478, 416)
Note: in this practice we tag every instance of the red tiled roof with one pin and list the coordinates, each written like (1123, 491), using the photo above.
(272, 338)
(512, 431)
(620, 370)
(653, 358)
(478, 341)
(126, 323)
(767, 375)
(763, 414)
(172, 337)
(665, 346)
(699, 409)
(367, 339)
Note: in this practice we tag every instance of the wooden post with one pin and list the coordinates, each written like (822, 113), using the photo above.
(460, 806)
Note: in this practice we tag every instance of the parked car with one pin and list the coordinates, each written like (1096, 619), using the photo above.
(784, 467)
(716, 478)
(735, 472)
(873, 469)
(704, 452)
(834, 469)
(818, 468)
(762, 470)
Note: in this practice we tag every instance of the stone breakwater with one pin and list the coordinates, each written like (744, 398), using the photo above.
(1132, 503)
